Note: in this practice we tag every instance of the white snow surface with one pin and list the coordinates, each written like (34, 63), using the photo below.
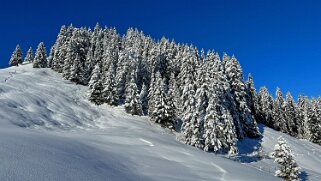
(49, 131)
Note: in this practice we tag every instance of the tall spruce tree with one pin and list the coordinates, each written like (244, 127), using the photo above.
(57, 60)
(265, 107)
(30, 56)
(314, 122)
(109, 93)
(16, 57)
(191, 129)
(219, 129)
(160, 113)
(304, 110)
(132, 103)
(234, 74)
(40, 60)
(291, 115)
(279, 122)
(96, 86)
(252, 97)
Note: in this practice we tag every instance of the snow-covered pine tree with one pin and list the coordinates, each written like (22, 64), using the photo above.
(109, 93)
(133, 105)
(316, 136)
(213, 127)
(16, 57)
(191, 130)
(40, 60)
(279, 122)
(252, 97)
(234, 75)
(163, 113)
(265, 107)
(219, 130)
(95, 86)
(99, 48)
(186, 78)
(159, 112)
(122, 76)
(314, 122)
(291, 115)
(304, 110)
(68, 58)
(202, 100)
(30, 56)
(77, 70)
(288, 168)
(61, 38)
(77, 52)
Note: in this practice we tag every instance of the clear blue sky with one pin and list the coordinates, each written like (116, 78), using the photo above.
(278, 41)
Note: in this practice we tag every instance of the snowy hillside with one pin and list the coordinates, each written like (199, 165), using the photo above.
(49, 131)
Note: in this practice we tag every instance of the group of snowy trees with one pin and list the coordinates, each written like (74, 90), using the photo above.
(300, 120)
(39, 60)
(173, 84)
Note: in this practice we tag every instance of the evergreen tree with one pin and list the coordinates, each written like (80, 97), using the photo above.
(74, 64)
(95, 86)
(109, 93)
(304, 110)
(314, 122)
(191, 129)
(57, 60)
(122, 77)
(16, 57)
(163, 113)
(291, 115)
(30, 56)
(234, 74)
(132, 103)
(252, 97)
(202, 100)
(279, 122)
(219, 129)
(288, 168)
(265, 107)
(40, 60)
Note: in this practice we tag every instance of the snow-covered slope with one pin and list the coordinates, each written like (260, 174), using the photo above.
(49, 131)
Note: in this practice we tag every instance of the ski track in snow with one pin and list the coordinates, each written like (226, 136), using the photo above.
(221, 170)
(50, 131)
(147, 142)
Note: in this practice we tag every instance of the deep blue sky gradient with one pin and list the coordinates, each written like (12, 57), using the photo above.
(278, 41)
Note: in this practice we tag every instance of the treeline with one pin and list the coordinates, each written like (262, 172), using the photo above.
(201, 95)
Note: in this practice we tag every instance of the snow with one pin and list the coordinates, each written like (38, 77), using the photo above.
(49, 131)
